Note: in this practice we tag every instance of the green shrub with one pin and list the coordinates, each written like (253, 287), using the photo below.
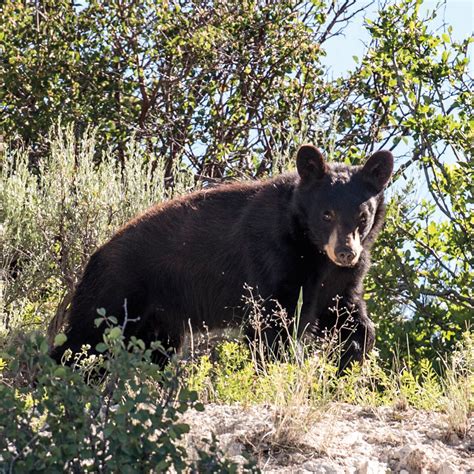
(52, 420)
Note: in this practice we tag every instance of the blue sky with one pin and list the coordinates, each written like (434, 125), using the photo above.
(340, 50)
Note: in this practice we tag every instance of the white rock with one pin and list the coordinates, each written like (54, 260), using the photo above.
(447, 468)
(370, 466)
(352, 438)
(318, 467)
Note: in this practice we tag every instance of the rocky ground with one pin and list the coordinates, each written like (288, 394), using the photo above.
(337, 438)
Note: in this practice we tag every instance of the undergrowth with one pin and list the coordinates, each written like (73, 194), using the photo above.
(301, 389)
(117, 412)
(232, 377)
(301, 381)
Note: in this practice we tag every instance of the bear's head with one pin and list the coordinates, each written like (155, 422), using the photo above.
(341, 206)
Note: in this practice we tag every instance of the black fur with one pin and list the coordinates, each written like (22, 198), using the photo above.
(191, 257)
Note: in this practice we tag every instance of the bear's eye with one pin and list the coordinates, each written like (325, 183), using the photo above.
(363, 219)
(327, 216)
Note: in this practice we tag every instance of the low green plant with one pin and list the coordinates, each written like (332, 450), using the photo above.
(235, 374)
(313, 380)
(53, 420)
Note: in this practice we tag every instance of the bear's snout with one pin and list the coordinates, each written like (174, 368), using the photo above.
(346, 256)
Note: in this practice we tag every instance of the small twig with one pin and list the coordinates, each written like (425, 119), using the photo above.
(127, 319)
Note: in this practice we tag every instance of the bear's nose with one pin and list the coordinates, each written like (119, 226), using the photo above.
(345, 256)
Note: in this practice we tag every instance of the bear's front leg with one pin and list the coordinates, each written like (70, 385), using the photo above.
(356, 335)
(340, 313)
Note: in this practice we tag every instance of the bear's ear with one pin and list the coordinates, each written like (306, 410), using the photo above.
(310, 163)
(378, 169)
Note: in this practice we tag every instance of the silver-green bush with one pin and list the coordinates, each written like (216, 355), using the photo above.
(55, 214)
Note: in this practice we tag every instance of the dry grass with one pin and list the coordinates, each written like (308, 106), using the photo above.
(458, 402)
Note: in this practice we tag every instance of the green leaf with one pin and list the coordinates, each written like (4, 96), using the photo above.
(60, 371)
(44, 347)
(101, 347)
(115, 333)
(60, 339)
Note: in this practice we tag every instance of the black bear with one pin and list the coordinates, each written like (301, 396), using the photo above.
(188, 260)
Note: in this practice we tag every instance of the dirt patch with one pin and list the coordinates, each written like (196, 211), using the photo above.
(341, 438)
